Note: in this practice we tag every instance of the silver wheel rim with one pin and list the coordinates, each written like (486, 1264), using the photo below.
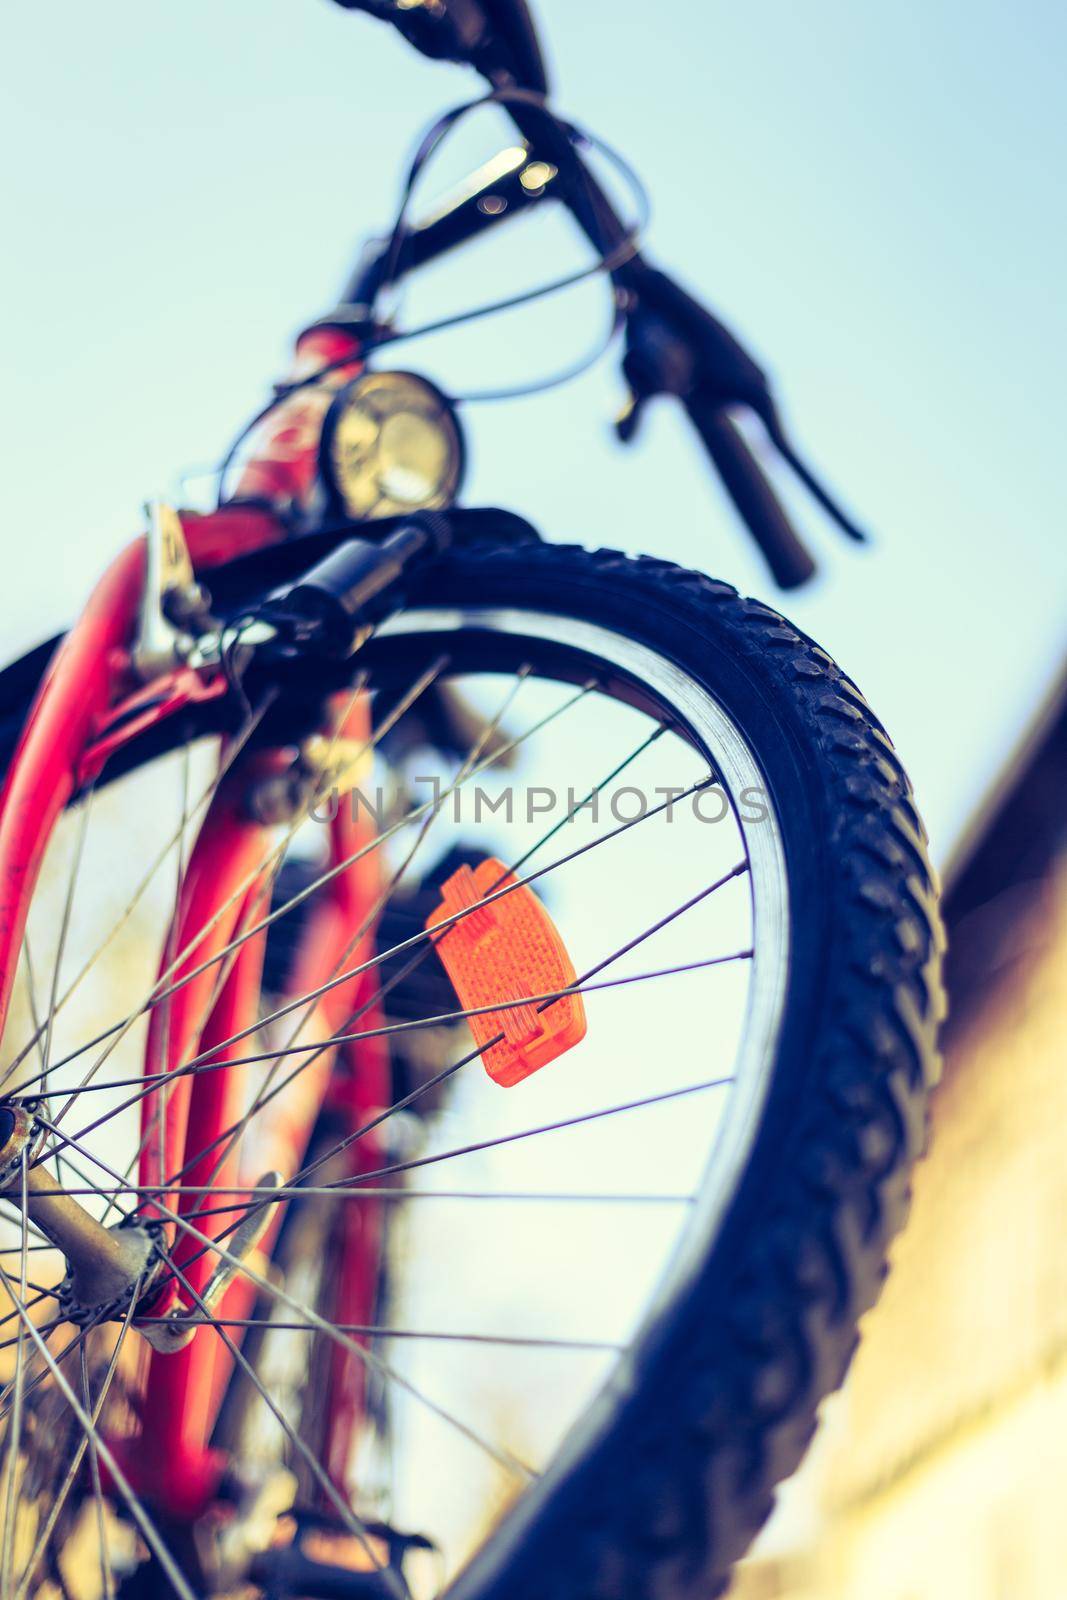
(705, 717)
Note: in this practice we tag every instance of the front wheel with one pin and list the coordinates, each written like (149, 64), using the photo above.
(581, 1324)
(662, 1486)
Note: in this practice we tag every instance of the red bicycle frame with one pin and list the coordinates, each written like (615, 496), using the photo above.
(87, 707)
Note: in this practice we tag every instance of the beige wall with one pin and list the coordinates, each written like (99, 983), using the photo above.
(942, 1470)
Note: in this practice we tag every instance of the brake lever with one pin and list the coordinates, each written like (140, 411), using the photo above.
(675, 346)
(495, 37)
(444, 33)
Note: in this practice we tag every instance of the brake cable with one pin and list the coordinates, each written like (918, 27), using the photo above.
(378, 336)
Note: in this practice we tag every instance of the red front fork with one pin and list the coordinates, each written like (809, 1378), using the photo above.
(69, 731)
(197, 1112)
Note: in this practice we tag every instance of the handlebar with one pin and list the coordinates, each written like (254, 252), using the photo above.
(751, 492)
(674, 345)
(496, 37)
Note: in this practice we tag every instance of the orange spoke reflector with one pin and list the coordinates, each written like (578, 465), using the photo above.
(507, 950)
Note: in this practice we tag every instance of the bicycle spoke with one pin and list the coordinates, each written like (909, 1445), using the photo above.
(387, 1030)
(39, 1030)
(503, 1457)
(468, 766)
(233, 750)
(372, 1330)
(120, 1028)
(341, 1191)
(64, 927)
(31, 998)
(35, 1300)
(14, 1426)
(370, 918)
(615, 955)
(356, 1182)
(166, 1077)
(357, 1528)
(425, 938)
(45, 1330)
(450, 1071)
(657, 733)
(61, 1496)
(375, 844)
(94, 1475)
(166, 985)
(118, 1477)
(39, 1288)
(421, 939)
(79, 1171)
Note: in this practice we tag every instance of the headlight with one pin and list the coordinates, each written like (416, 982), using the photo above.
(390, 444)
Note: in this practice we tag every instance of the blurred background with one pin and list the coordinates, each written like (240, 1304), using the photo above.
(867, 195)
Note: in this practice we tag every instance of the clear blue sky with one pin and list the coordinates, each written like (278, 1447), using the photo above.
(868, 193)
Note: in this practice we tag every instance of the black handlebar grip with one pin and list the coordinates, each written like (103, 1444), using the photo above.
(752, 493)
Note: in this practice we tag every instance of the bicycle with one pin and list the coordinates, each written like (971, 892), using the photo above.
(237, 1350)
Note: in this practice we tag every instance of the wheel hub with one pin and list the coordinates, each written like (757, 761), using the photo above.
(105, 1266)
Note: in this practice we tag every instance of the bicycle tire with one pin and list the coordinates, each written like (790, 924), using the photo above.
(724, 1406)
